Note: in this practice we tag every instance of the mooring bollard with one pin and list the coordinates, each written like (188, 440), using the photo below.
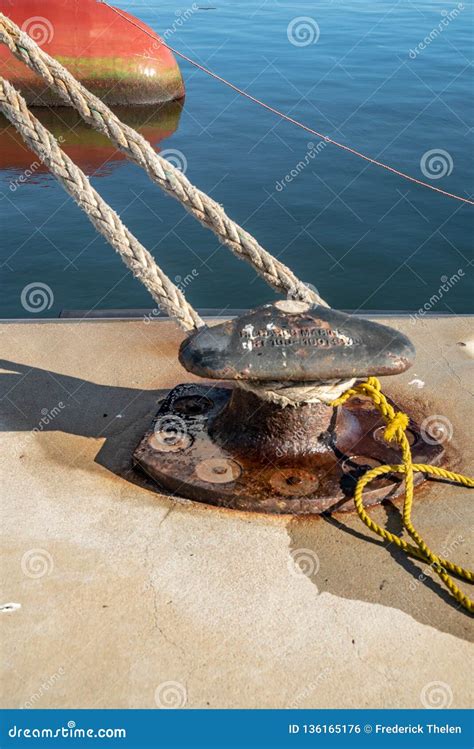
(272, 442)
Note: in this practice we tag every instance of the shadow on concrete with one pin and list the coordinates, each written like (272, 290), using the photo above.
(348, 553)
(39, 400)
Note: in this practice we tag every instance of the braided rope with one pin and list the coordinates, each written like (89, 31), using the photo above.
(293, 394)
(211, 215)
(162, 172)
(101, 215)
(397, 423)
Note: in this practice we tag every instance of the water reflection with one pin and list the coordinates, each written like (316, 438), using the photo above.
(90, 150)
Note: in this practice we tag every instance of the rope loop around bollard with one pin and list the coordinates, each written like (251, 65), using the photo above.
(246, 247)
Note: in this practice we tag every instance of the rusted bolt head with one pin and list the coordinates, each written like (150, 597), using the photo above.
(294, 482)
(296, 342)
(218, 470)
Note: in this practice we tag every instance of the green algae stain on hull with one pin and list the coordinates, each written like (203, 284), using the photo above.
(114, 80)
(117, 57)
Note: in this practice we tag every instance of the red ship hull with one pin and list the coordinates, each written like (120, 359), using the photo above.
(114, 59)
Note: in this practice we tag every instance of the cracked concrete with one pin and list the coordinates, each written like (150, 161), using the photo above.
(121, 590)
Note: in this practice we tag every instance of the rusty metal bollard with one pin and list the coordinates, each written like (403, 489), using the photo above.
(245, 447)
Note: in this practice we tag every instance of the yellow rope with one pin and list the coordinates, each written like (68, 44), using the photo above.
(397, 423)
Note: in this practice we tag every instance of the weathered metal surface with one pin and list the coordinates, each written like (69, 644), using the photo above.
(119, 61)
(248, 425)
(227, 448)
(211, 577)
(294, 341)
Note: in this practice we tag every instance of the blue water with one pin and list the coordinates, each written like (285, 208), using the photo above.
(364, 237)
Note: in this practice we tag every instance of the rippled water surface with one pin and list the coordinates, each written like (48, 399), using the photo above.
(364, 237)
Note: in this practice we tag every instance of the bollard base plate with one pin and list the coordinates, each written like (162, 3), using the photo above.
(184, 454)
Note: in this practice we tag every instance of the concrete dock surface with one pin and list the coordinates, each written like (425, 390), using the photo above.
(117, 596)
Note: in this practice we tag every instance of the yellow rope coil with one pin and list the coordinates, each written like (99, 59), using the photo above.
(397, 423)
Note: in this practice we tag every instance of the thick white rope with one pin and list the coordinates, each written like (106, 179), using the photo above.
(297, 394)
(102, 216)
(171, 180)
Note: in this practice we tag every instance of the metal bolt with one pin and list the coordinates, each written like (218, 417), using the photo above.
(218, 470)
(167, 442)
(359, 461)
(294, 482)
